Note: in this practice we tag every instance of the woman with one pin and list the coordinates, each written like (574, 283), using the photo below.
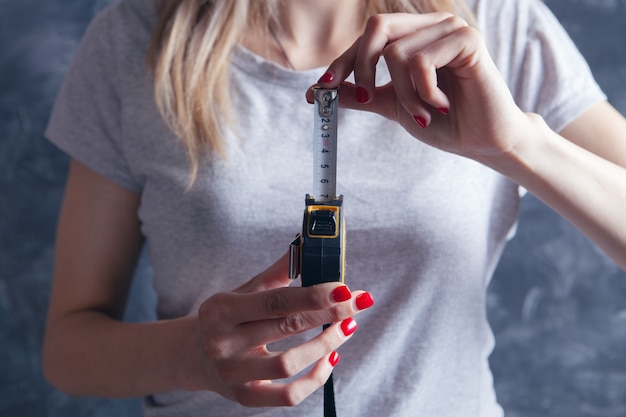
(206, 160)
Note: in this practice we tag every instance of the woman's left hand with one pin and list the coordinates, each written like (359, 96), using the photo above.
(445, 88)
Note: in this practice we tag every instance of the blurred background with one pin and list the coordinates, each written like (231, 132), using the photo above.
(557, 305)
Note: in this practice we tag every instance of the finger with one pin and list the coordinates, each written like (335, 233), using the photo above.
(276, 276)
(279, 303)
(380, 31)
(263, 332)
(391, 26)
(265, 365)
(403, 51)
(347, 97)
(458, 52)
(340, 68)
(272, 394)
(364, 53)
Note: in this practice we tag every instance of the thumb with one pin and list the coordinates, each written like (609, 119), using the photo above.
(276, 276)
(383, 103)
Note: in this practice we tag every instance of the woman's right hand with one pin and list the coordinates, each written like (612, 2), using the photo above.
(234, 328)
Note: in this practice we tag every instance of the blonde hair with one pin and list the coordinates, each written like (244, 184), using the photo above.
(190, 54)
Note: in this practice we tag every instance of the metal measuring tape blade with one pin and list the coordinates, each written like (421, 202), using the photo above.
(318, 253)
(325, 144)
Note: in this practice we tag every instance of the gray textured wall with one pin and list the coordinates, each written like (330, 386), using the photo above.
(557, 305)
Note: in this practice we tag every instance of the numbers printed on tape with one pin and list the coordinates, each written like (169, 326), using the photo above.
(325, 145)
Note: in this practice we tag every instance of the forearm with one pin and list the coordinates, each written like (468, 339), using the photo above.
(91, 354)
(584, 188)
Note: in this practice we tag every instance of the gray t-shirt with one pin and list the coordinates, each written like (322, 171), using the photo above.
(425, 228)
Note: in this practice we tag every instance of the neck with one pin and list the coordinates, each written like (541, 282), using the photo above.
(312, 32)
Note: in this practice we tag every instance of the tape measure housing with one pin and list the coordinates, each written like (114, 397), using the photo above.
(318, 253)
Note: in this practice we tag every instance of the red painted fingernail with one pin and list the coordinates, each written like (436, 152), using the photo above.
(348, 326)
(340, 294)
(443, 111)
(326, 78)
(420, 121)
(364, 301)
(361, 95)
(333, 359)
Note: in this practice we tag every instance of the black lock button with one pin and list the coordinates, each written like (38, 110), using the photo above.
(323, 223)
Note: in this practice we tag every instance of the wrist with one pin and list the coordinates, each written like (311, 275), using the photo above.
(517, 161)
(189, 368)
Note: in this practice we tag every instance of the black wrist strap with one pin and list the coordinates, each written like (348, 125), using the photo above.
(329, 394)
(329, 398)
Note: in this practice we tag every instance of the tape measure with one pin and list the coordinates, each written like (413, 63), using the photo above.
(317, 254)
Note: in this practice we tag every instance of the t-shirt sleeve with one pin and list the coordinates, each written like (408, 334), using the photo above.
(545, 71)
(86, 118)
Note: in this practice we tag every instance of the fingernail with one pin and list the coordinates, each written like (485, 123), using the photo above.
(361, 95)
(340, 294)
(348, 326)
(420, 121)
(364, 301)
(443, 111)
(333, 359)
(326, 78)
